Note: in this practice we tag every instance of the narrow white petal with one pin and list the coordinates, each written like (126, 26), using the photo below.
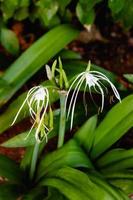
(19, 111)
(102, 94)
(84, 99)
(103, 77)
(30, 130)
(73, 108)
(106, 89)
(115, 92)
(73, 96)
(72, 84)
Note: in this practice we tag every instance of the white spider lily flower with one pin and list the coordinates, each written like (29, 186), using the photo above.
(92, 80)
(38, 101)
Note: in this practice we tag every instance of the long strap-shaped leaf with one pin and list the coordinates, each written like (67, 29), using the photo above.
(85, 134)
(82, 182)
(115, 124)
(126, 163)
(10, 170)
(69, 155)
(114, 157)
(10, 191)
(101, 182)
(121, 179)
(65, 188)
(34, 58)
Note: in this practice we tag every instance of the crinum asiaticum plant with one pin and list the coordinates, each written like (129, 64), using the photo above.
(56, 176)
(39, 102)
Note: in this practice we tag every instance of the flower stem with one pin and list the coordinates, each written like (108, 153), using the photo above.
(34, 159)
(62, 124)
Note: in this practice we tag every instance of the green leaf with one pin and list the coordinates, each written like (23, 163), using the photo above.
(9, 40)
(121, 179)
(37, 193)
(47, 10)
(126, 163)
(85, 11)
(85, 134)
(118, 120)
(114, 157)
(121, 174)
(72, 176)
(24, 3)
(26, 160)
(82, 182)
(55, 194)
(55, 21)
(124, 184)
(8, 8)
(65, 188)
(9, 169)
(125, 14)
(35, 57)
(21, 13)
(101, 182)
(124, 196)
(20, 140)
(70, 154)
(129, 77)
(63, 3)
(69, 54)
(85, 15)
(10, 191)
(116, 5)
(3, 83)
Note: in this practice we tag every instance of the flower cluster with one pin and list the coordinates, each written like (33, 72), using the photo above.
(38, 97)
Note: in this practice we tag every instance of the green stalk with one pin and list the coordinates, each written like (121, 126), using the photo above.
(34, 160)
(37, 144)
(62, 124)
